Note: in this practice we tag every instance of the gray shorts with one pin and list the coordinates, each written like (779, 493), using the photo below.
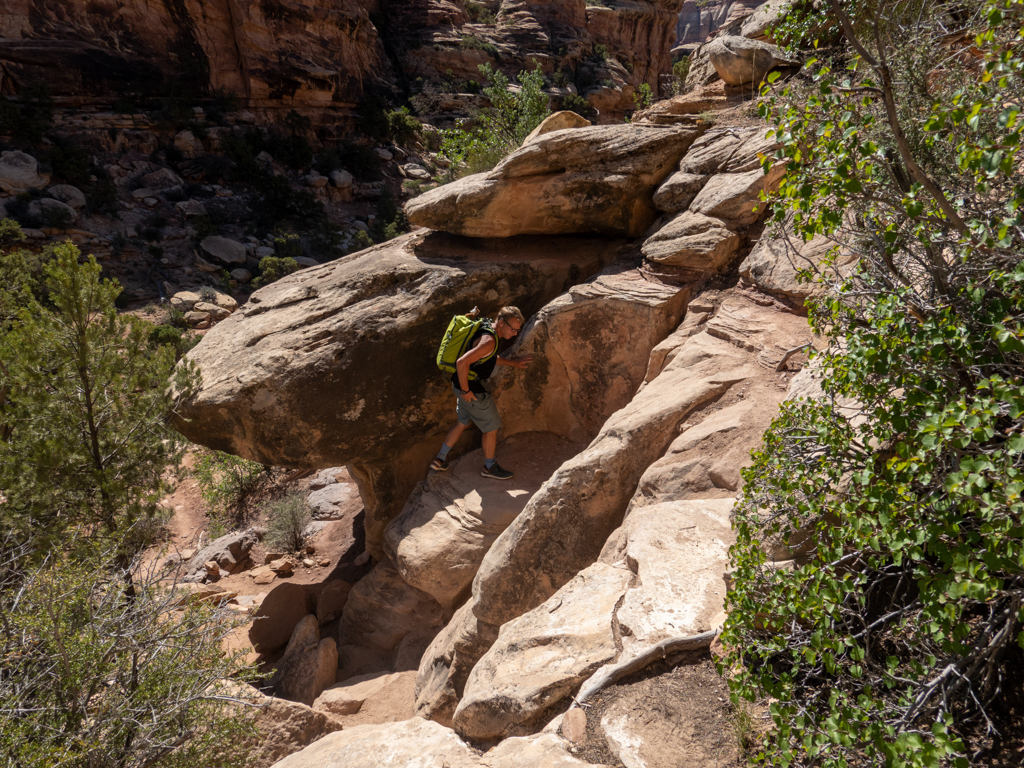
(482, 411)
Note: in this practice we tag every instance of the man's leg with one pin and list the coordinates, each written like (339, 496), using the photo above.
(440, 462)
(489, 442)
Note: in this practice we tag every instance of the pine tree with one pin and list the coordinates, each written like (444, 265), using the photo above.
(85, 408)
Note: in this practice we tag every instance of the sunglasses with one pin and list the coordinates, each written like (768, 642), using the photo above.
(511, 327)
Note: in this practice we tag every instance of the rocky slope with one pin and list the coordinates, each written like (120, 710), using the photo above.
(663, 346)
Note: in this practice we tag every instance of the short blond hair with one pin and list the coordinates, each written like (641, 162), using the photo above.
(506, 312)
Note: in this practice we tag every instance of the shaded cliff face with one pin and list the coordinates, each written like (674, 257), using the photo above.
(698, 22)
(278, 54)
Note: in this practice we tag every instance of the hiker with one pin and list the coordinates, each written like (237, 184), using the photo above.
(473, 402)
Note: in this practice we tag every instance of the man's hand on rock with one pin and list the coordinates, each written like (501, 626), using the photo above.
(522, 362)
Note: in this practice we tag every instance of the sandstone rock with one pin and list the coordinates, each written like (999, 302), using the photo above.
(183, 594)
(346, 698)
(329, 476)
(67, 194)
(243, 276)
(679, 550)
(774, 262)
(230, 552)
(225, 302)
(262, 575)
(282, 567)
(447, 662)
(381, 611)
(335, 502)
(712, 151)
(190, 208)
(212, 310)
(161, 179)
(278, 614)
(331, 601)
(306, 261)
(341, 179)
(54, 213)
(19, 173)
(694, 241)
(451, 520)
(595, 179)
(143, 194)
(757, 25)
(565, 525)
(315, 338)
(285, 727)
(416, 171)
(383, 154)
(739, 60)
(734, 197)
(309, 664)
(185, 300)
(678, 191)
(543, 656)
(613, 319)
(188, 144)
(406, 744)
(223, 249)
(574, 725)
(545, 750)
(558, 121)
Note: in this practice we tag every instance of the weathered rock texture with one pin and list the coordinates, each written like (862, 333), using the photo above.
(327, 366)
(597, 179)
(314, 55)
(420, 743)
(699, 20)
(543, 655)
(451, 520)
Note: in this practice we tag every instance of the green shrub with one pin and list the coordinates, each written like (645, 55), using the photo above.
(174, 336)
(274, 268)
(502, 127)
(225, 480)
(578, 104)
(888, 638)
(362, 240)
(643, 97)
(403, 128)
(287, 246)
(286, 519)
(601, 52)
(472, 42)
(479, 13)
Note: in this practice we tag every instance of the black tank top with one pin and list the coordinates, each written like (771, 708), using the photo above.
(484, 369)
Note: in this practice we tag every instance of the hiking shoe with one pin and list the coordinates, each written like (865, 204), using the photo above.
(441, 465)
(496, 472)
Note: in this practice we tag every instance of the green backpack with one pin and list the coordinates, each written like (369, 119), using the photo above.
(453, 346)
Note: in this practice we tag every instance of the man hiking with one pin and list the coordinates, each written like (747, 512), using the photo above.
(473, 402)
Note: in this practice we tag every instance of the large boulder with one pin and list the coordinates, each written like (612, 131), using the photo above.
(451, 520)
(679, 552)
(758, 25)
(279, 613)
(53, 212)
(736, 197)
(296, 377)
(694, 241)
(406, 744)
(230, 552)
(446, 664)
(543, 656)
(559, 121)
(223, 250)
(309, 664)
(775, 263)
(282, 727)
(596, 179)
(67, 194)
(419, 743)
(19, 173)
(348, 697)
(383, 616)
(591, 347)
(742, 61)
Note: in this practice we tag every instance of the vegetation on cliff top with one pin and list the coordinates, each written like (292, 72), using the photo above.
(889, 637)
